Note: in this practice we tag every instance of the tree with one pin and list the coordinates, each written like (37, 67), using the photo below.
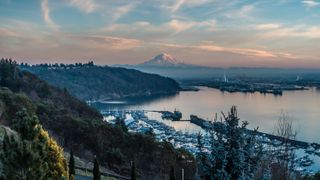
(32, 154)
(53, 155)
(235, 153)
(285, 154)
(20, 161)
(133, 171)
(172, 174)
(9, 74)
(218, 152)
(27, 125)
(121, 124)
(203, 163)
(96, 170)
(71, 165)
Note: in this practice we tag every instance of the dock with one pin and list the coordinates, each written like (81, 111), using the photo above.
(208, 125)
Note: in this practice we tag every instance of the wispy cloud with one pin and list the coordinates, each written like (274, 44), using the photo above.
(87, 6)
(267, 26)
(295, 31)
(179, 25)
(243, 51)
(211, 47)
(311, 3)
(8, 33)
(173, 26)
(27, 35)
(46, 15)
(122, 11)
(241, 13)
(106, 42)
(179, 3)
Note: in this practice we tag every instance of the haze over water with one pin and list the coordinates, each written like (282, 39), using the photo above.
(302, 107)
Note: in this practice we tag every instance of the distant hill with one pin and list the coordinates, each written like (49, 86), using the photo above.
(91, 82)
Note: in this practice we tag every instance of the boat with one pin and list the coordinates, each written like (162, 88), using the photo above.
(175, 116)
(277, 92)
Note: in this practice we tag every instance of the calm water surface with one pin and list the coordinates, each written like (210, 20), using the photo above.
(302, 107)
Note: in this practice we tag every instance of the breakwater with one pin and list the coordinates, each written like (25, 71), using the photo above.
(208, 125)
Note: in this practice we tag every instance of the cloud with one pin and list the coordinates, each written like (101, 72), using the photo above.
(267, 26)
(106, 42)
(182, 25)
(46, 15)
(241, 51)
(8, 33)
(310, 3)
(20, 35)
(241, 13)
(209, 46)
(168, 28)
(178, 25)
(179, 3)
(296, 31)
(122, 10)
(87, 6)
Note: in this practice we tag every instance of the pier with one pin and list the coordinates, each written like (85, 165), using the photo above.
(208, 125)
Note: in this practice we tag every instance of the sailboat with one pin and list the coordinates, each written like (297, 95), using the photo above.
(225, 79)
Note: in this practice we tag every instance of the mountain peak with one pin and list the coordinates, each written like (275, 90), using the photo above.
(166, 57)
(162, 59)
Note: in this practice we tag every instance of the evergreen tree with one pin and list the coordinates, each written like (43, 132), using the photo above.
(121, 124)
(20, 161)
(32, 154)
(27, 125)
(9, 74)
(71, 165)
(203, 163)
(172, 174)
(133, 171)
(96, 170)
(53, 155)
(218, 153)
(235, 154)
(234, 140)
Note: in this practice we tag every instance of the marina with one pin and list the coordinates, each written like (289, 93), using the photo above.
(138, 121)
(260, 110)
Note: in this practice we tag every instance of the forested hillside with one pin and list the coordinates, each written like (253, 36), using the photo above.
(91, 82)
(80, 128)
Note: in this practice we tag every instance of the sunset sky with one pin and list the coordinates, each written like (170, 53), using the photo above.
(270, 33)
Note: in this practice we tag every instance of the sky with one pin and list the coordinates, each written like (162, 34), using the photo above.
(251, 33)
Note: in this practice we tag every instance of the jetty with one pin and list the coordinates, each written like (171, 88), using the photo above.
(209, 125)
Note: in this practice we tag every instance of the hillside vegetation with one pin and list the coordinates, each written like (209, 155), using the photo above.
(27, 151)
(91, 82)
(78, 127)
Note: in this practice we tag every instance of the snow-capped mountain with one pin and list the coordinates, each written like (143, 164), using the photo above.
(162, 60)
(168, 66)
